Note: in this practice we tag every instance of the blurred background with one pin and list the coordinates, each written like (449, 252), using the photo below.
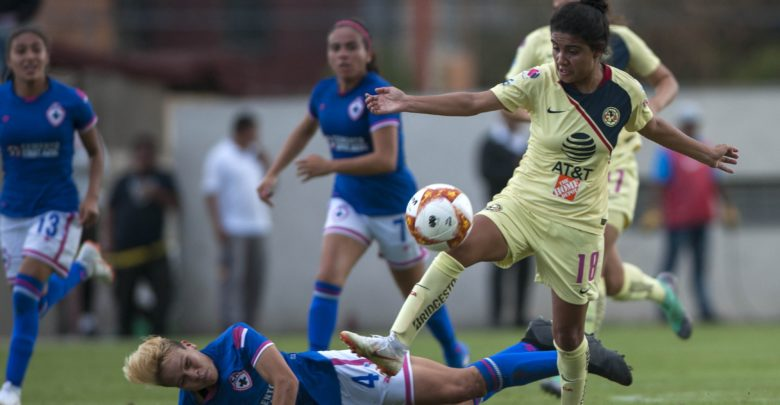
(181, 70)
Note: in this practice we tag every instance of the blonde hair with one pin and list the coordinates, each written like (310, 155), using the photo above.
(143, 365)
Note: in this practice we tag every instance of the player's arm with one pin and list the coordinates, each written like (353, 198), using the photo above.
(390, 99)
(293, 146)
(274, 369)
(383, 159)
(665, 85)
(665, 134)
(93, 143)
(519, 115)
(295, 143)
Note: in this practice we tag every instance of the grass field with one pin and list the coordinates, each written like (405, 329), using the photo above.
(719, 365)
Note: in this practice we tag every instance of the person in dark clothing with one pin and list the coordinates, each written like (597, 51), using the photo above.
(503, 146)
(136, 221)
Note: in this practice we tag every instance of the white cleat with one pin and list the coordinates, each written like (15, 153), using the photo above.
(97, 267)
(10, 394)
(386, 352)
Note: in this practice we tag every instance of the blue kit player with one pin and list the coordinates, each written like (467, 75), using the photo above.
(243, 367)
(372, 185)
(40, 214)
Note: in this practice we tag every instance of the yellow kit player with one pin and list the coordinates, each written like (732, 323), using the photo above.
(555, 206)
(621, 281)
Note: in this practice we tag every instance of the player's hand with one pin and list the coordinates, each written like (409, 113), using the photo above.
(89, 211)
(312, 166)
(266, 189)
(386, 101)
(724, 156)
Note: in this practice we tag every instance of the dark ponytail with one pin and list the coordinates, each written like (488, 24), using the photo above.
(587, 20)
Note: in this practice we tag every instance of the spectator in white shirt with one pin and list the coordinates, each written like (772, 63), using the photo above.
(233, 169)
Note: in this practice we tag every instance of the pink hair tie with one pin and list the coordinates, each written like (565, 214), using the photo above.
(357, 27)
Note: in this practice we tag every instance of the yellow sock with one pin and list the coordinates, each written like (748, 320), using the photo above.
(639, 286)
(596, 309)
(426, 297)
(573, 368)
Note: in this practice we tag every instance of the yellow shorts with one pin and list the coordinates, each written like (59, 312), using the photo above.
(623, 189)
(568, 260)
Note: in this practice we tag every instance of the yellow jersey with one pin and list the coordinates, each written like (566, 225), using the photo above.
(563, 174)
(627, 51)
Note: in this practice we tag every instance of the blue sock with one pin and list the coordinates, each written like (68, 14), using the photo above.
(26, 295)
(322, 315)
(512, 369)
(59, 287)
(442, 330)
(519, 347)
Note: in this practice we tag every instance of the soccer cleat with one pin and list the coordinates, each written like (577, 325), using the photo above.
(608, 363)
(603, 362)
(673, 309)
(539, 334)
(552, 386)
(384, 351)
(10, 394)
(97, 267)
(459, 358)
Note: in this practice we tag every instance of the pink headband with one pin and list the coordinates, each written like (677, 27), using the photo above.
(357, 27)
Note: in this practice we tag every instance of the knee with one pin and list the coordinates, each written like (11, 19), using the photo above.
(568, 338)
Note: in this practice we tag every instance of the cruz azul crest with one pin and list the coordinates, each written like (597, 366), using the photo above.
(241, 380)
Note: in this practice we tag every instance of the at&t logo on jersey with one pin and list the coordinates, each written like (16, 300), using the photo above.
(55, 114)
(240, 381)
(356, 108)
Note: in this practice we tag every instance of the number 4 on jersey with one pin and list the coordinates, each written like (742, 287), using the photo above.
(367, 380)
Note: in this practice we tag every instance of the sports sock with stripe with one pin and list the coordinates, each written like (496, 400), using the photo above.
(322, 315)
(58, 287)
(573, 368)
(26, 296)
(512, 369)
(639, 286)
(427, 296)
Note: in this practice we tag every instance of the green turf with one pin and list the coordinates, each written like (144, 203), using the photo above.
(719, 365)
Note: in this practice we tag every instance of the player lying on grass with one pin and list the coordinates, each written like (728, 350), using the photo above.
(243, 366)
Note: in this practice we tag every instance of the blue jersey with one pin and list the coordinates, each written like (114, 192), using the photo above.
(236, 352)
(347, 124)
(36, 136)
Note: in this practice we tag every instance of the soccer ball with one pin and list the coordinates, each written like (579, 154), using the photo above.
(439, 216)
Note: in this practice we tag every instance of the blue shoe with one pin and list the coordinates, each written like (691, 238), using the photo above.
(673, 309)
(459, 358)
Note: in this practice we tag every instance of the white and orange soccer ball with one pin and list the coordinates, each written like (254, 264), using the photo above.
(439, 216)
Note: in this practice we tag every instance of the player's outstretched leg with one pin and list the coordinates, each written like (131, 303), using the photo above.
(673, 309)
(88, 264)
(603, 362)
(426, 297)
